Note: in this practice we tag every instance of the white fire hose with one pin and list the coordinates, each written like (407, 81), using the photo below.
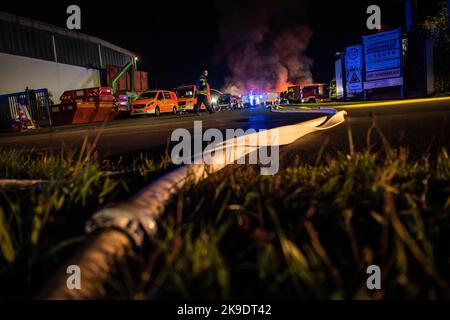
(125, 230)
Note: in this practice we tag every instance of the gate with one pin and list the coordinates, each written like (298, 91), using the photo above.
(37, 103)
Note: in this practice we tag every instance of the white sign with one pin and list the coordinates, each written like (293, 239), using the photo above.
(353, 69)
(339, 79)
(383, 59)
(383, 74)
(383, 83)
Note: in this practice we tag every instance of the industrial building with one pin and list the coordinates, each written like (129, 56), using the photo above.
(37, 55)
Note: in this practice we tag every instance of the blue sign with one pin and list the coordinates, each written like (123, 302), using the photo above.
(383, 51)
(353, 69)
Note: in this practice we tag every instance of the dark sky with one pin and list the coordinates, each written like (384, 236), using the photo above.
(176, 40)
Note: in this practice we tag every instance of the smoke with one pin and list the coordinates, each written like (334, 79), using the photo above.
(263, 53)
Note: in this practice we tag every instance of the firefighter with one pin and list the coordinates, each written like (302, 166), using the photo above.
(290, 96)
(283, 97)
(202, 94)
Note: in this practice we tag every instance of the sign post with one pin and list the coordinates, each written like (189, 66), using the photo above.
(353, 70)
(383, 57)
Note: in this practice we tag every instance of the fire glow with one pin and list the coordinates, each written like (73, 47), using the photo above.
(259, 58)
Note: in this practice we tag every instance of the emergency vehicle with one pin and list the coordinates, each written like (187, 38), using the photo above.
(309, 93)
(186, 97)
(155, 102)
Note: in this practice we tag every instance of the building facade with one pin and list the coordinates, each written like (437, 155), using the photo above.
(37, 55)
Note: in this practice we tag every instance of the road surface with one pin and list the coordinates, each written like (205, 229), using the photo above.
(418, 126)
(144, 133)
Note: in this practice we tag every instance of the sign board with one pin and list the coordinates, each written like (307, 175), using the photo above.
(392, 82)
(383, 74)
(339, 79)
(353, 69)
(383, 59)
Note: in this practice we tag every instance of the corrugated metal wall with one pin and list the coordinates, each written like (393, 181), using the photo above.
(25, 41)
(19, 40)
(114, 58)
(77, 52)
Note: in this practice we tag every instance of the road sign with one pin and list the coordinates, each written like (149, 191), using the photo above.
(392, 82)
(383, 74)
(354, 78)
(353, 69)
(383, 59)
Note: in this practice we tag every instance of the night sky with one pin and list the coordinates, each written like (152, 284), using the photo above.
(176, 40)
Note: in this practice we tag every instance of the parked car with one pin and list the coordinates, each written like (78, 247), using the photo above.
(186, 97)
(155, 102)
(214, 100)
(225, 102)
(123, 101)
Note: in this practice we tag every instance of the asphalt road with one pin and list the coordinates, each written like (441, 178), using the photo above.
(142, 134)
(420, 127)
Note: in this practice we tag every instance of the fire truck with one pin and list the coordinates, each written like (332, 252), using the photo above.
(309, 93)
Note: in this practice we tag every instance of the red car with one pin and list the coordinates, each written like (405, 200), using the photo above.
(155, 102)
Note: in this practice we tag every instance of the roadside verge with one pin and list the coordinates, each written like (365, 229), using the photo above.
(123, 232)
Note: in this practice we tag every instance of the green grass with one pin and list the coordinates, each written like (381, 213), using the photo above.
(309, 232)
(42, 225)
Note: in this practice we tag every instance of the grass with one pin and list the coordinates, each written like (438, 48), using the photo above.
(308, 232)
(43, 224)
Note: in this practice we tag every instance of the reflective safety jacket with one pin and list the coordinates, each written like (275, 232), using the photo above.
(202, 85)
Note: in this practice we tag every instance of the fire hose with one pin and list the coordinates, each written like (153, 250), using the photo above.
(125, 232)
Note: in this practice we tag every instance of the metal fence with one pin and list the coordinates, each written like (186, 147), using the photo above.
(36, 101)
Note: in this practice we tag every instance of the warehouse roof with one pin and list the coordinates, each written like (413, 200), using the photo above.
(38, 25)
